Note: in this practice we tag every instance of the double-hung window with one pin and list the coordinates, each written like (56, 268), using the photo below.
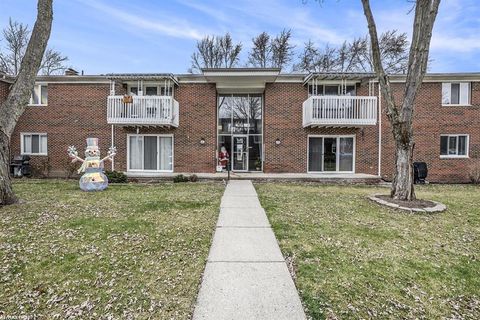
(34, 144)
(39, 95)
(454, 145)
(456, 93)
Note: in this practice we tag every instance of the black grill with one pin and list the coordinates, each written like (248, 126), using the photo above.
(420, 172)
(20, 166)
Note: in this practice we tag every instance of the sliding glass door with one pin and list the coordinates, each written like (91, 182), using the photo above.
(150, 153)
(331, 154)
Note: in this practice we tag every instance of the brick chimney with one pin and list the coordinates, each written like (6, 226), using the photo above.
(71, 72)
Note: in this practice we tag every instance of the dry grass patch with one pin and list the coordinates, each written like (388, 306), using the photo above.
(357, 260)
(131, 252)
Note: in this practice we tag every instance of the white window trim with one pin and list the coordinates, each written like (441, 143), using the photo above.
(36, 87)
(337, 158)
(458, 104)
(22, 147)
(150, 135)
(467, 146)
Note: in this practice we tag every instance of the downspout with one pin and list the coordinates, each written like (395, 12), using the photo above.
(113, 144)
(112, 93)
(379, 131)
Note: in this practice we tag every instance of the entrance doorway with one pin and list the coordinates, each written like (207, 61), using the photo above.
(331, 154)
(240, 153)
(240, 130)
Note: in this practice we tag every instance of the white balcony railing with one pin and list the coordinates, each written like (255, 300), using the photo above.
(345, 111)
(143, 110)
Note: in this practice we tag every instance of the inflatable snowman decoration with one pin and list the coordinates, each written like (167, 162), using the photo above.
(93, 178)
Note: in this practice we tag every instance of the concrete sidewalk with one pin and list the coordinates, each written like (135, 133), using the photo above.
(246, 276)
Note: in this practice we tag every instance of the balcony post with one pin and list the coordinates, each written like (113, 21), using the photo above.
(112, 87)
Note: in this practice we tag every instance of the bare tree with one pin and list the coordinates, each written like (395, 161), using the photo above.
(215, 52)
(400, 115)
(53, 63)
(19, 95)
(282, 50)
(270, 52)
(308, 58)
(261, 53)
(16, 37)
(393, 50)
(356, 56)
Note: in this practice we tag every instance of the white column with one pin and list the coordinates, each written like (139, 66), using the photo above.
(112, 87)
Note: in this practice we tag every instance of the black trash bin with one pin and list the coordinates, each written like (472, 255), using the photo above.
(20, 166)
(420, 172)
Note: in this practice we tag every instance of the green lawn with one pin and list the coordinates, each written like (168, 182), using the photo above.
(356, 260)
(131, 252)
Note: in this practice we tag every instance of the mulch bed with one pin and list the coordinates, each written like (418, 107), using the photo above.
(418, 203)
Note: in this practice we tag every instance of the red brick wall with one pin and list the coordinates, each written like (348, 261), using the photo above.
(283, 120)
(74, 112)
(77, 111)
(430, 120)
(197, 107)
(4, 87)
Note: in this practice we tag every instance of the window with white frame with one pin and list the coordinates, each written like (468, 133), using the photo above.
(34, 143)
(456, 93)
(331, 89)
(150, 153)
(151, 89)
(454, 145)
(39, 95)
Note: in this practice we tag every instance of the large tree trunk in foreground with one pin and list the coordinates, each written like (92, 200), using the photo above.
(19, 94)
(402, 184)
(6, 192)
(401, 116)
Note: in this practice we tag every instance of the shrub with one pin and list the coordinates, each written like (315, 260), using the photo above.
(70, 168)
(193, 178)
(474, 173)
(116, 177)
(180, 178)
(40, 167)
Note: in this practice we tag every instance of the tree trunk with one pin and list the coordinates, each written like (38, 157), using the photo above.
(402, 184)
(6, 193)
(401, 117)
(20, 92)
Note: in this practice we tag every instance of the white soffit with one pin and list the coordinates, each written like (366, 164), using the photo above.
(240, 79)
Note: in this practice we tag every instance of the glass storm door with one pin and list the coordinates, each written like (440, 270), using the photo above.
(345, 154)
(240, 153)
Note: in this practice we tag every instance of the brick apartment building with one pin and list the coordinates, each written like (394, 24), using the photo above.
(268, 122)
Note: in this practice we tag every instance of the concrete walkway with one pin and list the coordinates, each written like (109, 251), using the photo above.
(246, 276)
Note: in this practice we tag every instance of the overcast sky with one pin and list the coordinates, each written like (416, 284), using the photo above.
(103, 36)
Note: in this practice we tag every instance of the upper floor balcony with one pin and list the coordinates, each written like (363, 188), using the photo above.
(340, 111)
(142, 110)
